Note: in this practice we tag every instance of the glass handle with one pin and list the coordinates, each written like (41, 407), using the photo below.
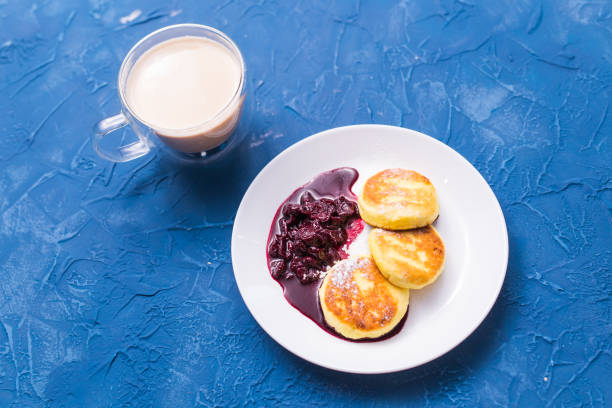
(118, 154)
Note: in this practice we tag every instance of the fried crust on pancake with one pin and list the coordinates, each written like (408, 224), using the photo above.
(409, 259)
(358, 302)
(398, 199)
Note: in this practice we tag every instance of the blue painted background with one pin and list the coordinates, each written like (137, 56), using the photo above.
(116, 286)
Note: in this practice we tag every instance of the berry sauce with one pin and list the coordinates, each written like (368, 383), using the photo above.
(311, 231)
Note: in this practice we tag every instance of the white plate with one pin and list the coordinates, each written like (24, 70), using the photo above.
(442, 315)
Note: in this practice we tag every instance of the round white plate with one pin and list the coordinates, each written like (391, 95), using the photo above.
(441, 315)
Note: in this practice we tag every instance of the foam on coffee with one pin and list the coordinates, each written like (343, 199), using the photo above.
(179, 85)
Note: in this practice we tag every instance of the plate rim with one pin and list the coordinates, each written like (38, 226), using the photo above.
(414, 133)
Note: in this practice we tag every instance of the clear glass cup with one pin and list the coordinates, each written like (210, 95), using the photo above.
(193, 142)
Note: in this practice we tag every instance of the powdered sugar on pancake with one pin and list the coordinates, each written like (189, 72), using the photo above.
(342, 275)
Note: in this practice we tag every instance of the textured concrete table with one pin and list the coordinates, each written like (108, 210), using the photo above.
(116, 286)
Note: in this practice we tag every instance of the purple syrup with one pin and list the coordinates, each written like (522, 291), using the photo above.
(324, 204)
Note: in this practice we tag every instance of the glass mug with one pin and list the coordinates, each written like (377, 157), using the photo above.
(192, 142)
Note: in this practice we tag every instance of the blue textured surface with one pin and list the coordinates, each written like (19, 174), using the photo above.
(116, 286)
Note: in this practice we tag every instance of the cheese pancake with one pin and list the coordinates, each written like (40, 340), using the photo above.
(358, 302)
(398, 199)
(409, 259)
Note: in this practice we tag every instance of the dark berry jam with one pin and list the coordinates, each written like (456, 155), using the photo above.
(310, 235)
(311, 231)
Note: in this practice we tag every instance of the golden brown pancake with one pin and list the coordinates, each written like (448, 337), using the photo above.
(398, 199)
(358, 302)
(409, 259)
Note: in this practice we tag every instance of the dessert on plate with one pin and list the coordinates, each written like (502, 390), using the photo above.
(365, 297)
